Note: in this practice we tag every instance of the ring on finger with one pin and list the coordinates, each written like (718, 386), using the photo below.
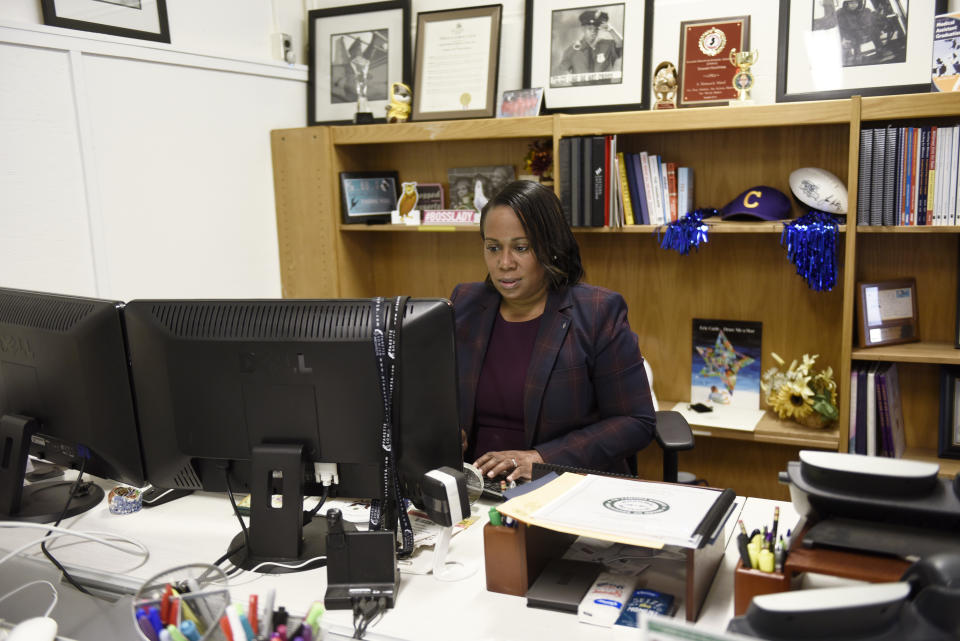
(514, 461)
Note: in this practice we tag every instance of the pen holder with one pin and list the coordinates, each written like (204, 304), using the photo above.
(748, 583)
(515, 556)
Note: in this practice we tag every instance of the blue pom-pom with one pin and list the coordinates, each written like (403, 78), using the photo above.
(686, 232)
(811, 242)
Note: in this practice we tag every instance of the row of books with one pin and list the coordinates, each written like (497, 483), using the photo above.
(876, 413)
(908, 176)
(601, 186)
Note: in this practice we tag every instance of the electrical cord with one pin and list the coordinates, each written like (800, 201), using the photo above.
(366, 610)
(53, 589)
(291, 566)
(236, 510)
(103, 538)
(323, 499)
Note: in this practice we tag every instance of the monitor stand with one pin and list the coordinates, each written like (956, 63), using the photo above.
(277, 541)
(37, 502)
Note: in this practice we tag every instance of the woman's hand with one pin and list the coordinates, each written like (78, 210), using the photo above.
(514, 464)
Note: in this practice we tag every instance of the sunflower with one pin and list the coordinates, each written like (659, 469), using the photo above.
(792, 400)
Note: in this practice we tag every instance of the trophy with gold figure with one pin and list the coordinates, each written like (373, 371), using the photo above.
(743, 79)
(665, 86)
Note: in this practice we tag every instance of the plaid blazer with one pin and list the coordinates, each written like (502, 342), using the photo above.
(586, 399)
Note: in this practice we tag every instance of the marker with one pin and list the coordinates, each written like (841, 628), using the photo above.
(313, 616)
(175, 634)
(239, 633)
(189, 630)
(495, 517)
(779, 555)
(146, 627)
(765, 560)
(155, 619)
(744, 551)
(225, 627)
(268, 611)
(252, 615)
(165, 604)
(247, 627)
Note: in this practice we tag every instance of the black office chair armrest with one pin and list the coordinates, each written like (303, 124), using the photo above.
(673, 431)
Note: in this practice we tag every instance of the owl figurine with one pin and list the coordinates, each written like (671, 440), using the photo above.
(398, 109)
(408, 200)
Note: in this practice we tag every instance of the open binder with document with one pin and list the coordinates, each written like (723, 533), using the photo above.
(621, 510)
(648, 514)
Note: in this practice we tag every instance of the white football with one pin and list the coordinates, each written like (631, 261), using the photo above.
(819, 189)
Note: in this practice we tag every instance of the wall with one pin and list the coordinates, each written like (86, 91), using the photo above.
(132, 169)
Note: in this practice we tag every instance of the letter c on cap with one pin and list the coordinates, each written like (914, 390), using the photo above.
(755, 203)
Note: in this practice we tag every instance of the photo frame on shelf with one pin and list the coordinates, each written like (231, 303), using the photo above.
(887, 312)
(948, 441)
(456, 64)
(368, 197)
(142, 19)
(354, 50)
(825, 53)
(611, 74)
(519, 103)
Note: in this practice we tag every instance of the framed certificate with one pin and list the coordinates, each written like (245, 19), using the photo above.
(368, 196)
(888, 312)
(456, 62)
(706, 73)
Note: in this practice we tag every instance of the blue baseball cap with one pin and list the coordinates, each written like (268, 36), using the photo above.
(758, 203)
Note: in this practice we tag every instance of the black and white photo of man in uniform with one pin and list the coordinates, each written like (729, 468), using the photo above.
(595, 55)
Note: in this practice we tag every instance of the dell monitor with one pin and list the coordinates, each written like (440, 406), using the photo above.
(65, 398)
(254, 393)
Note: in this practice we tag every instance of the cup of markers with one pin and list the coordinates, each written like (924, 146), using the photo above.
(184, 603)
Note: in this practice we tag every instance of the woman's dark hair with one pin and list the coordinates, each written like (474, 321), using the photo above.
(541, 215)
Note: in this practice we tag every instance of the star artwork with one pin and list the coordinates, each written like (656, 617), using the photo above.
(723, 360)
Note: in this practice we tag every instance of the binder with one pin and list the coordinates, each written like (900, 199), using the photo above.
(876, 180)
(864, 178)
(563, 171)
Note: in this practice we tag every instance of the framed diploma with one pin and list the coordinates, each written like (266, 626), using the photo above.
(456, 63)
(706, 73)
(888, 312)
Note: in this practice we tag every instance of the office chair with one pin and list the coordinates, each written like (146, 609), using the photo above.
(673, 435)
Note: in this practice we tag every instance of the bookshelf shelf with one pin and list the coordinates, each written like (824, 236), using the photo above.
(742, 273)
(932, 352)
(908, 229)
(948, 466)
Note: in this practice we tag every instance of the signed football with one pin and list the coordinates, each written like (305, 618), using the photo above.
(819, 189)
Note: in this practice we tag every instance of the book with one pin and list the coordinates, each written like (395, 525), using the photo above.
(598, 184)
(586, 187)
(647, 602)
(726, 363)
(884, 439)
(945, 64)
(876, 180)
(671, 171)
(576, 181)
(641, 189)
(852, 430)
(625, 188)
(664, 189)
(931, 182)
(563, 173)
(644, 161)
(871, 419)
(861, 436)
(685, 190)
(889, 216)
(864, 177)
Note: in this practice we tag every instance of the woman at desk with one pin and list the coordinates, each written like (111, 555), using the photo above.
(549, 369)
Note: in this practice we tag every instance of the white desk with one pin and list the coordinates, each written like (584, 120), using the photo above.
(198, 529)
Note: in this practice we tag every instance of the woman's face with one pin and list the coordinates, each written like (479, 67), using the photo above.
(511, 263)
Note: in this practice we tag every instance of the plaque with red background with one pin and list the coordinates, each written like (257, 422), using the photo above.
(707, 80)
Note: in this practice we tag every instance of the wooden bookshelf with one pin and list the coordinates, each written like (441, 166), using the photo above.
(741, 273)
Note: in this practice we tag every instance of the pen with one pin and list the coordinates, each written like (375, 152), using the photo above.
(146, 627)
(776, 521)
(189, 630)
(155, 619)
(267, 617)
(779, 555)
(252, 615)
(743, 529)
(744, 551)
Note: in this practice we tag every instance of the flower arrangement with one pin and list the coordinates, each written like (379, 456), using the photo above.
(539, 160)
(799, 394)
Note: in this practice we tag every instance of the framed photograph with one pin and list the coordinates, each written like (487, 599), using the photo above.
(589, 56)
(368, 196)
(948, 443)
(356, 52)
(472, 187)
(706, 73)
(837, 48)
(143, 19)
(888, 312)
(429, 196)
(457, 61)
(517, 103)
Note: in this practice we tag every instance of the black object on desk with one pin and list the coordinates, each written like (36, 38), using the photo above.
(562, 585)
(159, 495)
(359, 565)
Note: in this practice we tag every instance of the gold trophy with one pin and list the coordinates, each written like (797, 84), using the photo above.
(665, 86)
(743, 79)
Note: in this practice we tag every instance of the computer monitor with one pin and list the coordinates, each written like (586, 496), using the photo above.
(65, 398)
(258, 391)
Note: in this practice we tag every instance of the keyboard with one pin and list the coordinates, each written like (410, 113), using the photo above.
(493, 488)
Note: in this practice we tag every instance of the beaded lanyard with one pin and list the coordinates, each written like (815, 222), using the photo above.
(386, 350)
